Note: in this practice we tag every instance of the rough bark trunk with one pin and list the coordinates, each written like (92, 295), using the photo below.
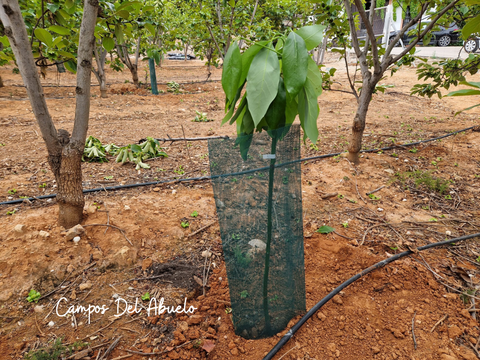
(64, 153)
(359, 124)
(67, 169)
(134, 72)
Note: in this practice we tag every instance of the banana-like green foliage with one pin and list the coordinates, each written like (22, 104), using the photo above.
(281, 81)
(137, 154)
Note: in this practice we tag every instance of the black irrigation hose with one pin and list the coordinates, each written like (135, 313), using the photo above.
(334, 292)
(118, 187)
(122, 83)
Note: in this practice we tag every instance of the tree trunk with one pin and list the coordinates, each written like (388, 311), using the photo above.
(103, 87)
(134, 72)
(64, 153)
(67, 169)
(359, 124)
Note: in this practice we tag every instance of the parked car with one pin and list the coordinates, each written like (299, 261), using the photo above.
(179, 56)
(472, 44)
(443, 37)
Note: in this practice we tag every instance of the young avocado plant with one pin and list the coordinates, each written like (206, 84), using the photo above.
(282, 80)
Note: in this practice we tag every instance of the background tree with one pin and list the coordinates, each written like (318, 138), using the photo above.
(64, 152)
(374, 59)
(451, 72)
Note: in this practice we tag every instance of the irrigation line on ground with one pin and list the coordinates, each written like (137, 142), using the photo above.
(123, 83)
(129, 186)
(337, 290)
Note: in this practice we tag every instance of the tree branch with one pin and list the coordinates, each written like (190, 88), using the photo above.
(352, 86)
(371, 35)
(84, 73)
(420, 37)
(370, 21)
(11, 17)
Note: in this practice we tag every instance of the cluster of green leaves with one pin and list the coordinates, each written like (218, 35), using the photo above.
(201, 117)
(281, 82)
(327, 76)
(332, 14)
(33, 296)
(137, 154)
(94, 151)
(173, 86)
(444, 74)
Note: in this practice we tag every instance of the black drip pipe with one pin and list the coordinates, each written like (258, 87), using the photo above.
(334, 292)
(118, 187)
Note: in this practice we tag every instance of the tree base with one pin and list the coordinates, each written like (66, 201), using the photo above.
(69, 215)
(354, 158)
(103, 93)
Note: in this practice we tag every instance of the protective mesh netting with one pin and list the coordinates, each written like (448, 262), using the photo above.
(241, 195)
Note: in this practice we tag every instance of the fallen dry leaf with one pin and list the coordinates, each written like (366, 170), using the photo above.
(208, 345)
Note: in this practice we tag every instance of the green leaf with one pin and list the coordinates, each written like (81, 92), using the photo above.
(53, 7)
(464, 92)
(146, 296)
(66, 54)
(240, 111)
(135, 148)
(291, 110)
(262, 82)
(44, 36)
(471, 27)
(123, 14)
(247, 122)
(59, 30)
(231, 106)
(472, 2)
(232, 72)
(150, 28)
(119, 34)
(248, 56)
(315, 76)
(308, 111)
(275, 116)
(63, 13)
(108, 44)
(471, 83)
(71, 66)
(469, 108)
(148, 8)
(312, 35)
(427, 38)
(294, 63)
(127, 4)
(69, 4)
(244, 140)
(4, 40)
(325, 229)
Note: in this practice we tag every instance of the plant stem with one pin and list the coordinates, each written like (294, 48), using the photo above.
(269, 233)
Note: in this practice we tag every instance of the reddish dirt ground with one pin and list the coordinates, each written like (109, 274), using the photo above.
(371, 319)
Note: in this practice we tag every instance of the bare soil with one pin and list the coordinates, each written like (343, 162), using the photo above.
(375, 318)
